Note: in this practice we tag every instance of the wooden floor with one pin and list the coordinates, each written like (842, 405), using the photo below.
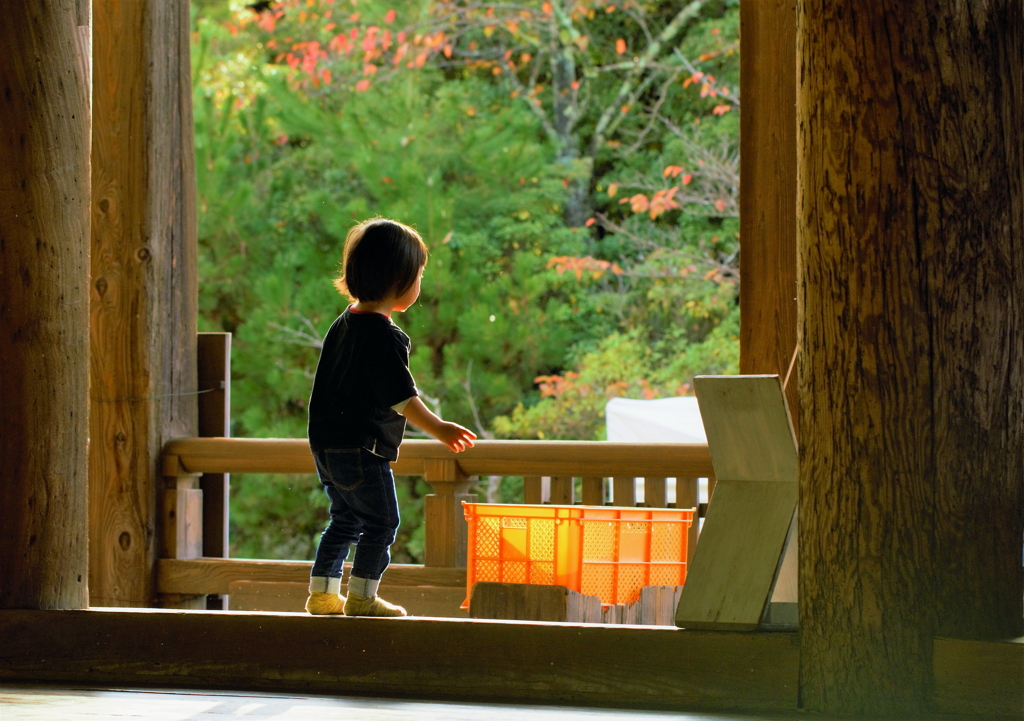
(36, 702)
(56, 702)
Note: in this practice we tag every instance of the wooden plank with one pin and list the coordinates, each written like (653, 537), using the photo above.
(623, 491)
(526, 458)
(144, 292)
(730, 579)
(768, 265)
(433, 601)
(445, 539)
(215, 575)
(593, 491)
(519, 602)
(214, 374)
(980, 678)
(748, 427)
(182, 522)
(44, 336)
(450, 659)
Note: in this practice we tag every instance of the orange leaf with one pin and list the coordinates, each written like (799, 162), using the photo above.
(620, 46)
(719, 205)
(590, 222)
(687, 178)
(390, 16)
(546, 8)
(613, 189)
(362, 86)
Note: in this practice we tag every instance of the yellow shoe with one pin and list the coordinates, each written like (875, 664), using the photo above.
(376, 606)
(325, 604)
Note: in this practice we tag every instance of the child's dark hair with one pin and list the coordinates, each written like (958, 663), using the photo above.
(382, 257)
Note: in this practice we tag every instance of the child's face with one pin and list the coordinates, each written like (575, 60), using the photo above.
(410, 296)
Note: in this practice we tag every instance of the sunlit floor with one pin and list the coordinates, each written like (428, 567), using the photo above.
(67, 702)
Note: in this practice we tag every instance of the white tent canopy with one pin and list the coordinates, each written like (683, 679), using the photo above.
(666, 420)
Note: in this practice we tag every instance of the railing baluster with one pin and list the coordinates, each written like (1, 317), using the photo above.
(593, 491)
(688, 496)
(655, 493)
(532, 490)
(624, 491)
(561, 490)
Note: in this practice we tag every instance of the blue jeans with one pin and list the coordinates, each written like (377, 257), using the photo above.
(364, 511)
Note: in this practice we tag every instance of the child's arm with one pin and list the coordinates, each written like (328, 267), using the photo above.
(451, 434)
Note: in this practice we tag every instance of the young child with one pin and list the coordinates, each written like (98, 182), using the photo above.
(362, 395)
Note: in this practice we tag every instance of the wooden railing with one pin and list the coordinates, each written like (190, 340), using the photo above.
(450, 475)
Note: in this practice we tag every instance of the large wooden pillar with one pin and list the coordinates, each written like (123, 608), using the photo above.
(768, 197)
(144, 295)
(911, 238)
(44, 304)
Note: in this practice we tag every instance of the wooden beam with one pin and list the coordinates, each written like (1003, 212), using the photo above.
(215, 575)
(44, 302)
(526, 458)
(911, 229)
(768, 317)
(144, 292)
(495, 661)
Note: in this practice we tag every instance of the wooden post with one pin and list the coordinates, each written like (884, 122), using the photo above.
(445, 529)
(182, 524)
(214, 370)
(144, 293)
(911, 236)
(44, 304)
(768, 305)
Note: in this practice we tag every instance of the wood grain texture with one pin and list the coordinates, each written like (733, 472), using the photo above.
(980, 678)
(144, 292)
(911, 238)
(498, 661)
(526, 458)
(768, 263)
(562, 490)
(748, 426)
(730, 580)
(44, 331)
(215, 575)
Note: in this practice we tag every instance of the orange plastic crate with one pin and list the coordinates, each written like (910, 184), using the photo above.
(603, 551)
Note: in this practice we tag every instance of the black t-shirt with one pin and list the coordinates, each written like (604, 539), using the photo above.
(363, 371)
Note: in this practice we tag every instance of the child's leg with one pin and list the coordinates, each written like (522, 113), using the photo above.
(332, 550)
(375, 504)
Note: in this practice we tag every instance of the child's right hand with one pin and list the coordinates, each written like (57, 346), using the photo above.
(455, 436)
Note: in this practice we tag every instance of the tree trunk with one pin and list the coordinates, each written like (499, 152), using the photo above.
(144, 291)
(44, 304)
(911, 244)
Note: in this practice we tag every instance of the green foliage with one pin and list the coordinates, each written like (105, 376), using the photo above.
(526, 324)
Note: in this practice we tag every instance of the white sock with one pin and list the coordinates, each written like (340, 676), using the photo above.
(365, 587)
(324, 584)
